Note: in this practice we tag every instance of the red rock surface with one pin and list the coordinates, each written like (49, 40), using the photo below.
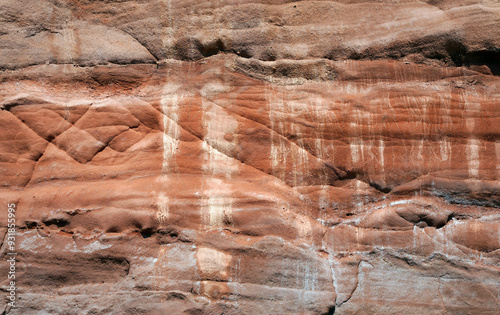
(273, 157)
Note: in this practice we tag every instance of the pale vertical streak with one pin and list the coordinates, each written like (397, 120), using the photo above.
(218, 165)
(169, 103)
(473, 157)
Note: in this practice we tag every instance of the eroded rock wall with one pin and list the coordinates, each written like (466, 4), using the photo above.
(273, 157)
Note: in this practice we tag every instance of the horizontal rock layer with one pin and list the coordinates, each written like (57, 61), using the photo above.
(251, 158)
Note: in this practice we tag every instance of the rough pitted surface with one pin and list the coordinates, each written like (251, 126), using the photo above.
(265, 157)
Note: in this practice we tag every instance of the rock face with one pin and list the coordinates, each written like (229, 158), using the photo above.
(237, 157)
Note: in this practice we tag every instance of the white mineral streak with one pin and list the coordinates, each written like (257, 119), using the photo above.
(287, 157)
(162, 211)
(356, 141)
(381, 160)
(300, 160)
(473, 157)
(212, 262)
(445, 149)
(470, 109)
(282, 158)
(320, 112)
(169, 102)
(279, 152)
(472, 150)
(219, 145)
(446, 122)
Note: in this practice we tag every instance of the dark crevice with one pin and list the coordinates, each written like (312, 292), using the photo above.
(170, 235)
(488, 58)
(351, 174)
(489, 200)
(456, 50)
(123, 62)
(50, 137)
(59, 222)
(167, 235)
(452, 53)
(380, 187)
(32, 225)
(212, 48)
(423, 219)
(243, 52)
(175, 295)
(331, 310)
(147, 233)
(357, 174)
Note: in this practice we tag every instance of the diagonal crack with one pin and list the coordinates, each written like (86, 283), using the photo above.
(216, 149)
(341, 174)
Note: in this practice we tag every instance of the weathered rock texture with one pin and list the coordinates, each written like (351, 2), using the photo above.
(237, 157)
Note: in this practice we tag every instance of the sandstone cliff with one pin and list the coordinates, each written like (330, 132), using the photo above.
(251, 157)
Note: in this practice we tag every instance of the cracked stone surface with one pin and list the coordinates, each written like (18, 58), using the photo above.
(237, 157)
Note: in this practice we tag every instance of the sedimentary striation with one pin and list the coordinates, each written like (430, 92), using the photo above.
(237, 157)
